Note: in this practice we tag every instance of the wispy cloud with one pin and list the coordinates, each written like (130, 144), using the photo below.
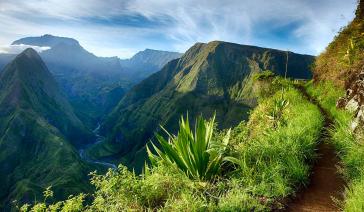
(16, 49)
(114, 27)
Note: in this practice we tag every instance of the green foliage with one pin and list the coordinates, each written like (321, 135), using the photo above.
(354, 200)
(264, 75)
(276, 114)
(268, 164)
(214, 77)
(349, 147)
(36, 127)
(48, 193)
(343, 55)
(196, 154)
(273, 160)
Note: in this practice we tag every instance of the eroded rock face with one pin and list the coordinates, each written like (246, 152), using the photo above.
(354, 101)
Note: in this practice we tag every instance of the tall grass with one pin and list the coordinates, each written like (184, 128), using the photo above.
(273, 161)
(349, 147)
(189, 174)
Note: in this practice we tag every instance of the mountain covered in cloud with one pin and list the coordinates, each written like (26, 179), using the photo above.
(92, 84)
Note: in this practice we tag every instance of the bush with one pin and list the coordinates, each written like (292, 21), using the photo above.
(196, 154)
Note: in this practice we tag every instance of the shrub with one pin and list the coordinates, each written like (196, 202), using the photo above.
(196, 154)
(267, 74)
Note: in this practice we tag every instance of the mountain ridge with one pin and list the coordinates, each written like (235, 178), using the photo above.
(217, 76)
(92, 83)
(37, 127)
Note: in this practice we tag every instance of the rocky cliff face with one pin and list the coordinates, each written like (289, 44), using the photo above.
(354, 101)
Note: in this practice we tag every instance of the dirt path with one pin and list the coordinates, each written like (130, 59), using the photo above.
(326, 184)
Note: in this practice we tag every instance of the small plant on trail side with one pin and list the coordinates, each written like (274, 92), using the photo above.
(197, 154)
(276, 114)
(350, 52)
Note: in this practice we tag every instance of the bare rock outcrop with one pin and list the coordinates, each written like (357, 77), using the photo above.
(354, 101)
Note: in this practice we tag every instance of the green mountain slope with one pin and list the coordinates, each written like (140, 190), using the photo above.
(338, 86)
(93, 85)
(27, 83)
(213, 77)
(36, 123)
(147, 62)
(343, 58)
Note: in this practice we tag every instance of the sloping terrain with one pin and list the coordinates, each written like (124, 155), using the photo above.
(93, 85)
(214, 77)
(326, 186)
(147, 62)
(338, 87)
(343, 58)
(255, 164)
(87, 80)
(37, 126)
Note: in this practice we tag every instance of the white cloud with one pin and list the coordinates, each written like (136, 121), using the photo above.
(184, 22)
(16, 49)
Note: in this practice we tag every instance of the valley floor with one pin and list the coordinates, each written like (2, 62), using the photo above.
(85, 157)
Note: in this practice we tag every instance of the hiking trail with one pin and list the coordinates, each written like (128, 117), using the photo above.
(326, 185)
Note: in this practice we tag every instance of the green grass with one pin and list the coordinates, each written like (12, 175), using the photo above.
(270, 162)
(214, 77)
(349, 147)
(343, 56)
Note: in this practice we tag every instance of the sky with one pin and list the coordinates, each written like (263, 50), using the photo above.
(123, 27)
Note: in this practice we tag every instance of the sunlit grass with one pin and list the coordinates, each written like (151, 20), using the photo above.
(249, 168)
(349, 148)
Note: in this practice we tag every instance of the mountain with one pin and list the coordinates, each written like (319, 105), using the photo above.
(37, 127)
(214, 77)
(5, 59)
(89, 81)
(342, 61)
(147, 62)
(84, 77)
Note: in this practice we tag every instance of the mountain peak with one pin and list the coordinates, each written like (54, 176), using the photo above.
(27, 83)
(30, 53)
(25, 66)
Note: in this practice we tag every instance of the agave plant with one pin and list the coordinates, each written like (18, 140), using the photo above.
(276, 115)
(196, 153)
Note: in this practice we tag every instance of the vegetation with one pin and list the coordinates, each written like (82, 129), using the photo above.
(349, 147)
(36, 123)
(265, 163)
(213, 77)
(196, 154)
(345, 54)
(267, 74)
(335, 70)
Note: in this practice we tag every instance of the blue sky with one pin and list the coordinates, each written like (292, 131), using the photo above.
(123, 27)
